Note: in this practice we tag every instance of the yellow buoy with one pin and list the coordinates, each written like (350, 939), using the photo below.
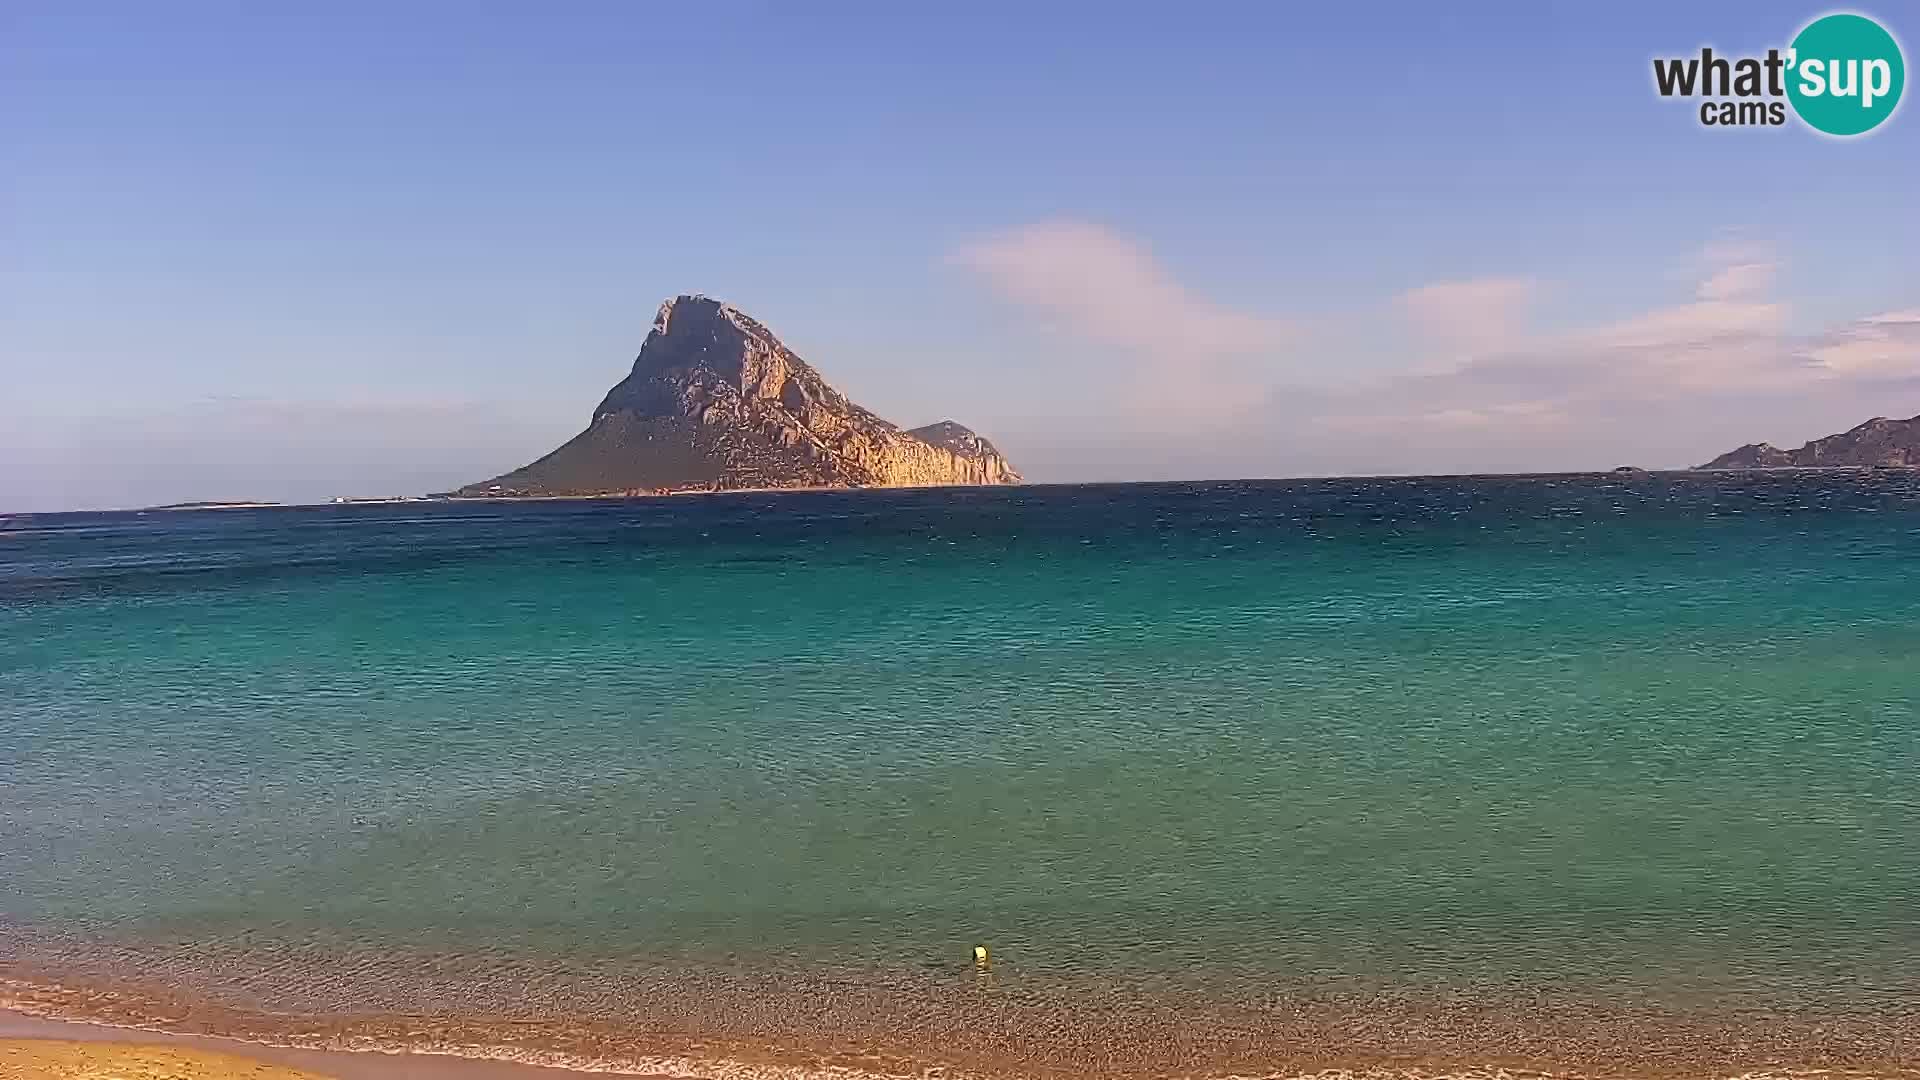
(980, 956)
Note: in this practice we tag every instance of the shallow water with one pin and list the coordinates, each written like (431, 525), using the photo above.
(1563, 771)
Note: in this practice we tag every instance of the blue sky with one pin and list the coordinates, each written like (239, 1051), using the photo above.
(370, 249)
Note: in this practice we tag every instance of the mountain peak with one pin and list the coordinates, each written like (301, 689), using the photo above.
(690, 312)
(956, 437)
(715, 401)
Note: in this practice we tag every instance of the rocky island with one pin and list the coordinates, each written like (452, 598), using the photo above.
(716, 403)
(1879, 441)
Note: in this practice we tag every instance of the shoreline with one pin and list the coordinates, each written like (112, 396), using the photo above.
(18, 1028)
(154, 1054)
(446, 1046)
(345, 1053)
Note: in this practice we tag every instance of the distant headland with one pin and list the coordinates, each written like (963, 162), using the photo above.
(716, 403)
(1878, 442)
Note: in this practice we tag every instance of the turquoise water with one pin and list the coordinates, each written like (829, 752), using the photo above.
(1645, 740)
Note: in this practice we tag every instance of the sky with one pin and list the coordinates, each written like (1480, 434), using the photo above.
(296, 251)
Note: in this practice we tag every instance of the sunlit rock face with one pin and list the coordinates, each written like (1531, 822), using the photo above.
(715, 401)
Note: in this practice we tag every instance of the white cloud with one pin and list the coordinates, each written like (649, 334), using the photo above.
(1508, 415)
(1683, 325)
(1718, 364)
(1680, 379)
(1729, 334)
(1476, 314)
(1174, 358)
(1108, 288)
(1478, 364)
(1738, 281)
(1886, 345)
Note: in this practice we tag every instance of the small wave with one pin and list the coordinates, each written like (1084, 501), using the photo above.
(67, 1005)
(31, 999)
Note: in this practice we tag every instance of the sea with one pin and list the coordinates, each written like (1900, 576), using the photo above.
(1569, 776)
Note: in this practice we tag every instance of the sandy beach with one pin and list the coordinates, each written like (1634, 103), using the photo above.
(34, 1048)
(50, 1059)
(1072, 1041)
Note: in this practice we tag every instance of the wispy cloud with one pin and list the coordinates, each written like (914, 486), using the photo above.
(1480, 381)
(1475, 314)
(1738, 281)
(1175, 356)
(1883, 346)
(1109, 288)
(1675, 379)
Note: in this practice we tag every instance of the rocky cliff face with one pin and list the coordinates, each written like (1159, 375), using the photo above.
(1879, 441)
(958, 439)
(715, 402)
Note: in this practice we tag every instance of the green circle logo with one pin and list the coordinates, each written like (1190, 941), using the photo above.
(1845, 74)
